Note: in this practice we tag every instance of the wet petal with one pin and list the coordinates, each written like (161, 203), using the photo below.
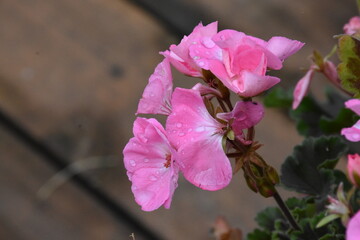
(157, 94)
(353, 133)
(283, 47)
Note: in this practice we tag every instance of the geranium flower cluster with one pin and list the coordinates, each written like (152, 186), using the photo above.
(199, 136)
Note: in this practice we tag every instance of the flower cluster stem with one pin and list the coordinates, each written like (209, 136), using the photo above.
(285, 210)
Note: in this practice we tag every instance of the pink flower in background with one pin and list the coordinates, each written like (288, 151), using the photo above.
(302, 87)
(149, 161)
(353, 133)
(353, 26)
(353, 167)
(353, 228)
(198, 138)
(241, 61)
(157, 94)
(179, 54)
(244, 115)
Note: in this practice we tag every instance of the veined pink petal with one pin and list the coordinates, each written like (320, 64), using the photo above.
(157, 94)
(353, 227)
(283, 47)
(244, 115)
(149, 161)
(302, 87)
(189, 120)
(354, 105)
(353, 133)
(250, 84)
(206, 90)
(198, 137)
(205, 164)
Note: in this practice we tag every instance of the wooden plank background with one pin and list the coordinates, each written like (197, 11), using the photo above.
(71, 72)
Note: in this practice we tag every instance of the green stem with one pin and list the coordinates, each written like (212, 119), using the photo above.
(286, 211)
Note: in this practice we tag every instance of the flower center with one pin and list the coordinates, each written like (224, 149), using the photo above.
(167, 164)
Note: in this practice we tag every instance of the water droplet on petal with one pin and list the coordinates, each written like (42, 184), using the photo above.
(132, 163)
(179, 125)
(153, 178)
(208, 42)
(201, 63)
(190, 129)
(181, 134)
(194, 42)
(146, 160)
(196, 57)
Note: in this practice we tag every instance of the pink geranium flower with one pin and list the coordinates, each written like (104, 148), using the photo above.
(241, 61)
(353, 227)
(353, 26)
(353, 133)
(353, 168)
(198, 138)
(150, 163)
(157, 94)
(179, 54)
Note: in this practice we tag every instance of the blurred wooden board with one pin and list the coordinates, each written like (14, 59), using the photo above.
(72, 73)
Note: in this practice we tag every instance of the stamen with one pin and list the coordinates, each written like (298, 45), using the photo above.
(167, 164)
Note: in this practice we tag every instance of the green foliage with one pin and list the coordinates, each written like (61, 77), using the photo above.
(313, 119)
(308, 169)
(349, 68)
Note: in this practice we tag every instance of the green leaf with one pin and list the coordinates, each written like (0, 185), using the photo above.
(307, 117)
(267, 217)
(279, 98)
(258, 235)
(349, 68)
(327, 219)
(345, 118)
(307, 169)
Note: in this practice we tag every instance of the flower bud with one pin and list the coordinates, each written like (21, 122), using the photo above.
(353, 26)
(353, 168)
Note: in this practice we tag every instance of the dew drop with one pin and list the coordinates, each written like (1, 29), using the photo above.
(194, 42)
(153, 178)
(208, 42)
(146, 160)
(200, 129)
(201, 63)
(196, 57)
(181, 134)
(179, 125)
(132, 163)
(190, 129)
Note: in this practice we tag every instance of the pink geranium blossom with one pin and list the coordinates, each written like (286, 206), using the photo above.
(198, 138)
(179, 54)
(353, 168)
(353, 26)
(157, 94)
(353, 133)
(353, 228)
(149, 161)
(241, 61)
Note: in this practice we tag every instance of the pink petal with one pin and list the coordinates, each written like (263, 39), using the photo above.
(353, 227)
(189, 120)
(244, 115)
(197, 136)
(353, 166)
(353, 133)
(353, 26)
(157, 94)
(354, 105)
(149, 161)
(302, 87)
(179, 55)
(250, 84)
(205, 90)
(205, 164)
(283, 47)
